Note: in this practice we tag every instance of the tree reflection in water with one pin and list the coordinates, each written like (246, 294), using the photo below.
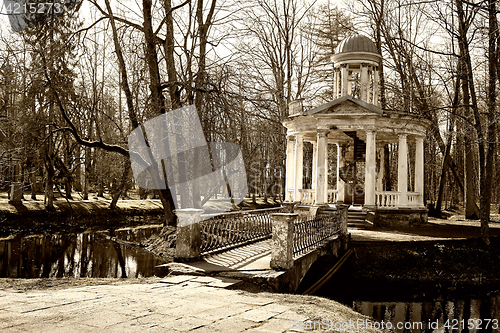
(440, 311)
(78, 255)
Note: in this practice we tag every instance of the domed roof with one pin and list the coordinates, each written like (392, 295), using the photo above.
(356, 43)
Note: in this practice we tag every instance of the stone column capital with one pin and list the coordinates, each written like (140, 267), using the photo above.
(370, 131)
(419, 138)
(322, 132)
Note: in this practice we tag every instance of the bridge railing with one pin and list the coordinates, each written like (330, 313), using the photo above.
(308, 234)
(293, 238)
(229, 230)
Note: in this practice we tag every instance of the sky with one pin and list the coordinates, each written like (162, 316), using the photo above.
(5, 28)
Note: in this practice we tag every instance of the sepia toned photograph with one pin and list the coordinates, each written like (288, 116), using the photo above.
(250, 166)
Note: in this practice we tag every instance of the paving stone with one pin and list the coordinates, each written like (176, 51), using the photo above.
(207, 303)
(187, 309)
(218, 292)
(223, 312)
(30, 307)
(155, 319)
(58, 310)
(32, 327)
(176, 279)
(256, 300)
(135, 311)
(74, 327)
(127, 327)
(223, 282)
(12, 321)
(276, 325)
(186, 324)
(203, 279)
(227, 325)
(257, 315)
(105, 319)
(291, 315)
(273, 307)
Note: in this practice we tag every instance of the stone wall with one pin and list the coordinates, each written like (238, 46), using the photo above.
(398, 218)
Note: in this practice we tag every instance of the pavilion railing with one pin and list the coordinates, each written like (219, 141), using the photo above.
(387, 199)
(308, 234)
(332, 196)
(307, 196)
(229, 230)
(413, 198)
(290, 195)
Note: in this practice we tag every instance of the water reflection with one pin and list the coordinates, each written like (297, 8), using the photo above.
(466, 315)
(78, 255)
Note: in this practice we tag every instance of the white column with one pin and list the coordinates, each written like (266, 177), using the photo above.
(364, 83)
(299, 167)
(403, 170)
(320, 193)
(326, 171)
(340, 182)
(290, 168)
(419, 169)
(375, 87)
(314, 166)
(349, 83)
(345, 80)
(335, 83)
(370, 168)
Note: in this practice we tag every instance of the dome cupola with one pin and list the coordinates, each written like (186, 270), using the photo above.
(356, 69)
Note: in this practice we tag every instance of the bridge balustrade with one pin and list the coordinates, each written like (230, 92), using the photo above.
(230, 230)
(308, 234)
(293, 238)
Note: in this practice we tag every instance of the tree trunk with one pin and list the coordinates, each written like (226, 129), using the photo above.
(86, 173)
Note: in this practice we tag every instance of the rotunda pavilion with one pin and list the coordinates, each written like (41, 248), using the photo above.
(354, 122)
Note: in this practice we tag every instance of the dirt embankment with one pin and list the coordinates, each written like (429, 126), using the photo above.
(31, 217)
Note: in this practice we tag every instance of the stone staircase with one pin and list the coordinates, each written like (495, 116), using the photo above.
(357, 219)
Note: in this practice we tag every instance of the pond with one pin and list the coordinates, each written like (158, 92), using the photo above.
(436, 315)
(417, 309)
(92, 254)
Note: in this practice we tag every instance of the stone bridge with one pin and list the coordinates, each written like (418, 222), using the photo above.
(274, 246)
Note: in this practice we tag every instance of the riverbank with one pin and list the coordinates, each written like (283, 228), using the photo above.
(31, 216)
(448, 265)
(444, 253)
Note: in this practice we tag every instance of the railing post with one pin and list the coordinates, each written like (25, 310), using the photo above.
(282, 244)
(289, 206)
(343, 213)
(188, 238)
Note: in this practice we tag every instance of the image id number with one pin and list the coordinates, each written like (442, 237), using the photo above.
(471, 324)
(14, 8)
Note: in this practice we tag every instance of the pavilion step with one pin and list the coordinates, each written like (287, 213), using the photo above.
(357, 219)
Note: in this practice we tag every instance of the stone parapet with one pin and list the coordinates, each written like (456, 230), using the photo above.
(188, 239)
(282, 241)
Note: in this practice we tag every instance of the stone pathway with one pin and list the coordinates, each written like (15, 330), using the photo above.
(175, 304)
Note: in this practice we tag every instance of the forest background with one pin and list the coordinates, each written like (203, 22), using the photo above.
(72, 89)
